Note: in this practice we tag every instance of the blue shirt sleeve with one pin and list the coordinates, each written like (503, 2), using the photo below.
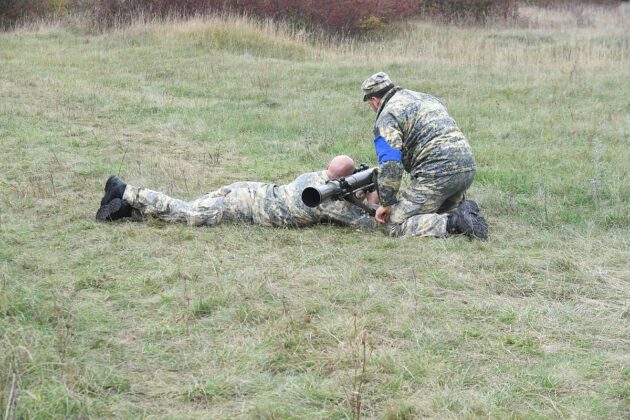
(385, 152)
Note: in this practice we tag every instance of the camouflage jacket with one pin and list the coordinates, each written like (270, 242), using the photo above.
(282, 205)
(419, 126)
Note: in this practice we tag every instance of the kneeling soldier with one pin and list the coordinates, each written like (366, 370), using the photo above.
(414, 132)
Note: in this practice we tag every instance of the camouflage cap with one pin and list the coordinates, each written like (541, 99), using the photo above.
(376, 85)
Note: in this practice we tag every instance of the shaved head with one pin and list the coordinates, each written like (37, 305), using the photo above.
(340, 166)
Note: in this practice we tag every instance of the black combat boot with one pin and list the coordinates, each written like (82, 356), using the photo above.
(114, 188)
(114, 210)
(466, 220)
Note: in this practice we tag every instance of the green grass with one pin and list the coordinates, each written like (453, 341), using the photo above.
(132, 320)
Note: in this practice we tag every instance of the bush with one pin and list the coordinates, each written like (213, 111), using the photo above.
(341, 16)
(469, 11)
(479, 11)
(14, 11)
(564, 3)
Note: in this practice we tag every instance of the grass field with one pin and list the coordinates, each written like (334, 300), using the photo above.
(152, 320)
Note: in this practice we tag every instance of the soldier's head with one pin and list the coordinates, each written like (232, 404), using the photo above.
(339, 166)
(375, 87)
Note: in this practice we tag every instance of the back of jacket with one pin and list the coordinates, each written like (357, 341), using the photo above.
(420, 127)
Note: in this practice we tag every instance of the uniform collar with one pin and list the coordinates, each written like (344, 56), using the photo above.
(386, 99)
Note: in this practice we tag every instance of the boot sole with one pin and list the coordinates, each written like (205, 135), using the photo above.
(479, 228)
(105, 213)
(473, 225)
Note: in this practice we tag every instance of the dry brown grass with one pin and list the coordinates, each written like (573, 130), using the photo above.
(551, 39)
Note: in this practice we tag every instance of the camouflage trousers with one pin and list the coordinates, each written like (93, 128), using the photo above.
(424, 205)
(232, 202)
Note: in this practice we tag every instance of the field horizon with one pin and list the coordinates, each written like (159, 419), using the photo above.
(155, 320)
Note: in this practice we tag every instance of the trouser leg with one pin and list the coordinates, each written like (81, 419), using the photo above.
(239, 201)
(432, 224)
(424, 204)
(206, 210)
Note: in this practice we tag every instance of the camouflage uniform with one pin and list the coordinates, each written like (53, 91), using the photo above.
(250, 202)
(414, 132)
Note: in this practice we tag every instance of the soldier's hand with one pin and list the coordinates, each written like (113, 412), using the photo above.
(382, 214)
